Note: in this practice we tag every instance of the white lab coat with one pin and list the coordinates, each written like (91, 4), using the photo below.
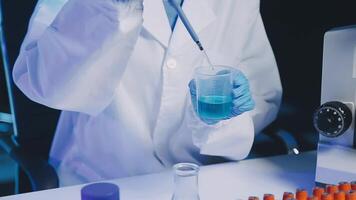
(122, 83)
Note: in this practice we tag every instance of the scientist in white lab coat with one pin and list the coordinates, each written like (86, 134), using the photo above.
(121, 76)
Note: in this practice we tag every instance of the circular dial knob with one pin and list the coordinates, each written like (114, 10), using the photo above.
(332, 119)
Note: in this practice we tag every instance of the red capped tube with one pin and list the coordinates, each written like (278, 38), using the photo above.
(301, 194)
(253, 198)
(268, 197)
(351, 195)
(332, 189)
(353, 185)
(288, 195)
(313, 198)
(318, 191)
(339, 195)
(327, 196)
(344, 186)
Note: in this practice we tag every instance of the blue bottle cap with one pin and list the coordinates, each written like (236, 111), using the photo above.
(100, 191)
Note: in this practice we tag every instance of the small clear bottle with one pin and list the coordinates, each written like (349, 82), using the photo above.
(186, 181)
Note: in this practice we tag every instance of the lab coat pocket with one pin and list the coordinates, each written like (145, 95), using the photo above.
(74, 168)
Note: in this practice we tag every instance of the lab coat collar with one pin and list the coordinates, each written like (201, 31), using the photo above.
(200, 15)
(156, 21)
(199, 12)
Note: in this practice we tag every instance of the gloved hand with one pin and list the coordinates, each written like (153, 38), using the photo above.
(242, 99)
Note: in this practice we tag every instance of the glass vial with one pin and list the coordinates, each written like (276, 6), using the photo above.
(186, 181)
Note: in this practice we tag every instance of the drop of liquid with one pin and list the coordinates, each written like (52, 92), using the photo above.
(208, 59)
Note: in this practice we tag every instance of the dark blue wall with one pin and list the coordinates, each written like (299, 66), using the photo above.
(296, 29)
(19, 11)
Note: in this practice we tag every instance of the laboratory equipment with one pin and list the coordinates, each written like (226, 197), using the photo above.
(100, 191)
(268, 197)
(186, 181)
(344, 186)
(331, 188)
(327, 196)
(288, 195)
(335, 118)
(214, 92)
(301, 194)
(318, 191)
(190, 29)
(340, 195)
(253, 198)
(342, 191)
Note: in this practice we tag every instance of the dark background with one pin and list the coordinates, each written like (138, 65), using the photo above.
(19, 11)
(295, 30)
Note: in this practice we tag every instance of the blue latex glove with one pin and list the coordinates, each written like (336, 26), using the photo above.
(242, 99)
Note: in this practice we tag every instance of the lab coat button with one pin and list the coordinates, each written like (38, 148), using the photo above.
(171, 63)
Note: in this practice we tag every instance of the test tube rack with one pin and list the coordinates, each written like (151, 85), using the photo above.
(342, 191)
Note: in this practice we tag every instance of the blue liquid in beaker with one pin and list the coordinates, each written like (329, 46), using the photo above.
(214, 107)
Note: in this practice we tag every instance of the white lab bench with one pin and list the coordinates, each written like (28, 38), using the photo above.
(228, 181)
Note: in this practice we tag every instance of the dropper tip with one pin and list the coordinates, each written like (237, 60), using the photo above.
(200, 46)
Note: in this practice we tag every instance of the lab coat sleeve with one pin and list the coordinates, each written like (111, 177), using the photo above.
(233, 138)
(230, 138)
(76, 61)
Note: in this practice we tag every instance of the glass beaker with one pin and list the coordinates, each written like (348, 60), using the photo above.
(186, 181)
(214, 92)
